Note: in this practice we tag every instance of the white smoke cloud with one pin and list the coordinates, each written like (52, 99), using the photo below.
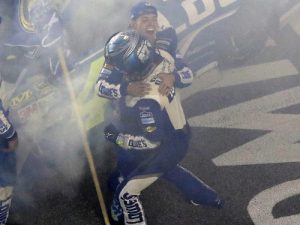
(51, 135)
(95, 21)
(49, 132)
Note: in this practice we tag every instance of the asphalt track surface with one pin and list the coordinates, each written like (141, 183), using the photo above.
(245, 145)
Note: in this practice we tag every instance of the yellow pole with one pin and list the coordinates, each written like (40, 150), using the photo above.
(86, 146)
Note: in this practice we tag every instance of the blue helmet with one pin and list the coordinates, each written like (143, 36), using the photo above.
(131, 53)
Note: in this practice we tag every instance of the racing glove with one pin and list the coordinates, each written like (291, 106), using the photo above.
(111, 133)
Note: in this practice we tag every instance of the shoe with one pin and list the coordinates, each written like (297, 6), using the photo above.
(194, 203)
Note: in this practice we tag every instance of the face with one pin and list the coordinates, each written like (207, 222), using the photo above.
(146, 25)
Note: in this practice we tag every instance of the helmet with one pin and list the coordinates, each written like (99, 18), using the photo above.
(130, 52)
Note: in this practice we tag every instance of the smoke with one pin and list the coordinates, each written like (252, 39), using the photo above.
(50, 141)
(6, 15)
(94, 21)
(40, 106)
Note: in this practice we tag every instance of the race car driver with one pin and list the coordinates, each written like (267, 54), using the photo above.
(152, 135)
(111, 84)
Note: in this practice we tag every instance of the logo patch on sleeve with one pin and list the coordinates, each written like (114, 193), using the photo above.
(105, 71)
(4, 124)
(147, 118)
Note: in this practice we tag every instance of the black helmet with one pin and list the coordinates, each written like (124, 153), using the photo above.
(131, 53)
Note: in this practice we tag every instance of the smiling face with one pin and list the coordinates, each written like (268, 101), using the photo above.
(146, 25)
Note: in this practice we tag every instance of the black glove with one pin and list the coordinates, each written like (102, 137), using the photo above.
(111, 133)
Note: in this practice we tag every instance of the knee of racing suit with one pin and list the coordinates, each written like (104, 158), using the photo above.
(172, 151)
(5, 202)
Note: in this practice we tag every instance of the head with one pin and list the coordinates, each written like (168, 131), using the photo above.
(144, 20)
(130, 52)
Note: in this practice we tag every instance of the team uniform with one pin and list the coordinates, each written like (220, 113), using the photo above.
(7, 165)
(111, 83)
(152, 138)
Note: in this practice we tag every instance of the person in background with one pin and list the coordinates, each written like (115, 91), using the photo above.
(8, 171)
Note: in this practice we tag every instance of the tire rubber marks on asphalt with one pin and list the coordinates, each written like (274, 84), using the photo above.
(260, 207)
(278, 146)
(257, 72)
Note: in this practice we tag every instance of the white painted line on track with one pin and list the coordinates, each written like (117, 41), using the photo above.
(278, 146)
(260, 207)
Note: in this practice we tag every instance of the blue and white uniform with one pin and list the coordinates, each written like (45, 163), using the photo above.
(153, 137)
(111, 83)
(7, 165)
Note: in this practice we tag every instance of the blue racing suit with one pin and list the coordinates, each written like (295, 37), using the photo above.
(111, 83)
(152, 138)
(7, 165)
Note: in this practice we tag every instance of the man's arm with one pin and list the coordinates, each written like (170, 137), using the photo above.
(182, 75)
(7, 132)
(150, 121)
(112, 85)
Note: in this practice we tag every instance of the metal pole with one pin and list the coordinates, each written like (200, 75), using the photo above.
(86, 146)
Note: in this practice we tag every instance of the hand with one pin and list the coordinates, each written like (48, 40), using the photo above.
(167, 83)
(138, 89)
(111, 133)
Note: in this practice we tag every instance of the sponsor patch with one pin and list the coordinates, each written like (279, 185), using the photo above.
(133, 209)
(147, 117)
(21, 98)
(150, 129)
(120, 141)
(144, 108)
(185, 73)
(4, 124)
(137, 143)
(105, 71)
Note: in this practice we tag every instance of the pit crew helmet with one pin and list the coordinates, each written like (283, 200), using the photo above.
(130, 52)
